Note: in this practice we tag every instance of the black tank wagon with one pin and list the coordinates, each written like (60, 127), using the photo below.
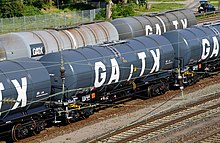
(22, 82)
(98, 66)
(34, 44)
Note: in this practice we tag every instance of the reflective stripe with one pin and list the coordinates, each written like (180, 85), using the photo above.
(164, 26)
(131, 72)
(72, 38)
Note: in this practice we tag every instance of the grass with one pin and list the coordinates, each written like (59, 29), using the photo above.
(214, 2)
(158, 7)
(165, 0)
(205, 16)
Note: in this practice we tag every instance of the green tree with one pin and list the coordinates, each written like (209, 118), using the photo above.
(64, 3)
(11, 8)
(17, 8)
(118, 10)
(38, 3)
(30, 10)
(123, 10)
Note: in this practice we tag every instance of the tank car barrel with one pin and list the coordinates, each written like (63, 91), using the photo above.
(34, 44)
(22, 81)
(197, 43)
(156, 23)
(96, 66)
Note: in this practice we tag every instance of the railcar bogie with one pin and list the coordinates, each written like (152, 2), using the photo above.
(155, 84)
(23, 127)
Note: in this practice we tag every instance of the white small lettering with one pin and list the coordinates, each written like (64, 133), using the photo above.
(38, 51)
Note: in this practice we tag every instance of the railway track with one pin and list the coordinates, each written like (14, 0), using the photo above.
(153, 128)
(210, 137)
(209, 133)
(208, 18)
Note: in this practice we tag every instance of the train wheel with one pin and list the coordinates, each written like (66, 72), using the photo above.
(34, 126)
(190, 82)
(16, 132)
(91, 111)
(68, 121)
(39, 127)
(87, 113)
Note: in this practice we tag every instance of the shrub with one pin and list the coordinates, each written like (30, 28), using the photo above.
(118, 10)
(31, 10)
(123, 10)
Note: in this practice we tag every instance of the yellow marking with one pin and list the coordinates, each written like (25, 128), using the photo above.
(134, 86)
(189, 73)
(135, 69)
(74, 106)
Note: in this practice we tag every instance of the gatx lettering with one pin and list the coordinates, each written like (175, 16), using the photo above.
(100, 68)
(37, 51)
(21, 90)
(206, 49)
(114, 74)
(149, 28)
